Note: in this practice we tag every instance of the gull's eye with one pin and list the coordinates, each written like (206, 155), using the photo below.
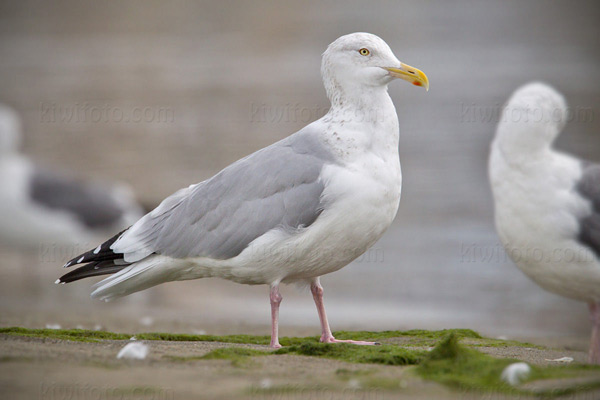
(364, 52)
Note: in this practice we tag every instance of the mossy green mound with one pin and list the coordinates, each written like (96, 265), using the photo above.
(83, 335)
(453, 361)
(467, 369)
(384, 354)
(77, 335)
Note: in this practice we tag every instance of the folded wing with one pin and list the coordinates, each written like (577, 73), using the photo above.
(276, 187)
(589, 187)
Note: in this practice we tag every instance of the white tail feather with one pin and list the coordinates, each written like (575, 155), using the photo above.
(142, 275)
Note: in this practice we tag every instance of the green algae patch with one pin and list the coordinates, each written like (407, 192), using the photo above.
(458, 366)
(417, 333)
(466, 369)
(182, 337)
(77, 335)
(384, 354)
(232, 352)
(239, 356)
(499, 343)
(454, 361)
(563, 380)
(421, 337)
(84, 335)
(346, 374)
(414, 337)
(239, 339)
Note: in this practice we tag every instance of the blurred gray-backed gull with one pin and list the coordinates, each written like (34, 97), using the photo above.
(303, 207)
(39, 205)
(547, 202)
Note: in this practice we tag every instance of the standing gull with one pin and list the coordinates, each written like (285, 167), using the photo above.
(547, 203)
(303, 207)
(40, 205)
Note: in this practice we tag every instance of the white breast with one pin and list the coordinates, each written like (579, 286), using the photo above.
(362, 194)
(537, 216)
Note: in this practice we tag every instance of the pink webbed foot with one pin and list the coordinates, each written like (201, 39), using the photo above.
(327, 337)
(331, 339)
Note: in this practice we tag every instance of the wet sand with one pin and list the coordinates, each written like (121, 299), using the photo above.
(47, 368)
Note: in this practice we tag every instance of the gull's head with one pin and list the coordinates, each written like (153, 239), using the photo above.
(10, 130)
(358, 61)
(533, 117)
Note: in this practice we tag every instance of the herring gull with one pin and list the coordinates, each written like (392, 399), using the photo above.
(547, 203)
(303, 207)
(42, 205)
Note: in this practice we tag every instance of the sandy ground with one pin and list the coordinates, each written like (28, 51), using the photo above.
(53, 369)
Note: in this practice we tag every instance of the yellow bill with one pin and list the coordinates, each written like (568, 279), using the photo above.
(410, 74)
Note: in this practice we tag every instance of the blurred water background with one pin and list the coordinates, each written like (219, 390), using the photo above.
(165, 94)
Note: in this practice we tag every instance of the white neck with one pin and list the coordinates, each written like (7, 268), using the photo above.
(369, 119)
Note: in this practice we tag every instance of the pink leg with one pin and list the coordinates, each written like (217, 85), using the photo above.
(276, 298)
(594, 357)
(326, 336)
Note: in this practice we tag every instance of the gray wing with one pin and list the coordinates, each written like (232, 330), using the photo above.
(92, 204)
(278, 186)
(589, 187)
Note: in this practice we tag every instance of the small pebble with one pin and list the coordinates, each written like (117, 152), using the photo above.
(354, 384)
(562, 360)
(515, 373)
(266, 383)
(134, 351)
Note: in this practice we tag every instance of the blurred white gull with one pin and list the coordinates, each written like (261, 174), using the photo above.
(41, 206)
(303, 207)
(547, 203)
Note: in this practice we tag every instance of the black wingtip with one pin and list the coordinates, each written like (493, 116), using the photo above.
(100, 253)
(89, 270)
